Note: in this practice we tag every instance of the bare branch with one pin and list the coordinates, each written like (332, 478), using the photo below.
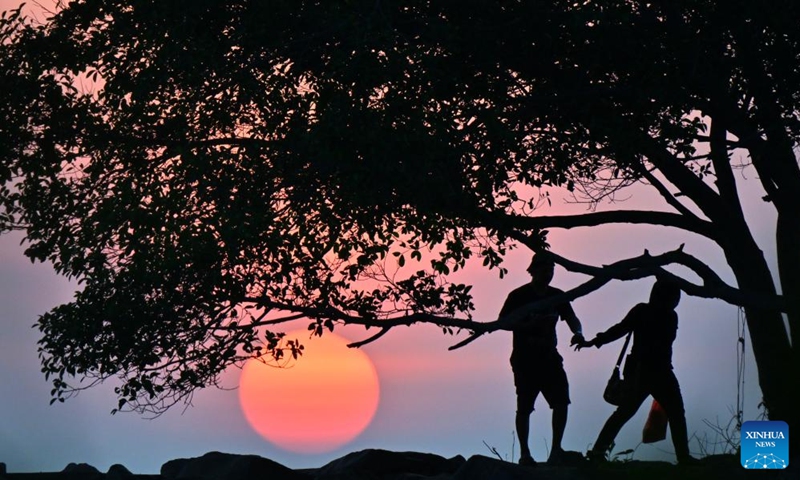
(647, 265)
(720, 157)
(695, 225)
(673, 169)
(635, 268)
(371, 339)
(466, 341)
(668, 196)
(643, 266)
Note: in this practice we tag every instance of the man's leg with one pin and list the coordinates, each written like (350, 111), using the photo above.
(523, 426)
(556, 391)
(525, 403)
(527, 391)
(559, 425)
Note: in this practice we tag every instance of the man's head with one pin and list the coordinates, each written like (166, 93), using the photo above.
(665, 294)
(541, 270)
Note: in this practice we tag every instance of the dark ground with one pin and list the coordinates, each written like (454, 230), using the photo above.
(385, 465)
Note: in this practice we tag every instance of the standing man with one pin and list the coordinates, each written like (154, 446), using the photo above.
(535, 361)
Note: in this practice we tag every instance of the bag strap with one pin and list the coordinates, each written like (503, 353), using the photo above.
(624, 349)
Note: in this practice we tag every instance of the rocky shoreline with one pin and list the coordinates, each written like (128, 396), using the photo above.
(374, 464)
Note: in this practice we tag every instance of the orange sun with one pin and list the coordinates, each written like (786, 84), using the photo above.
(322, 402)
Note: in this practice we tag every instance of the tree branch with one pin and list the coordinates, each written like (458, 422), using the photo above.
(668, 196)
(645, 265)
(672, 168)
(520, 222)
(726, 184)
(371, 339)
(635, 268)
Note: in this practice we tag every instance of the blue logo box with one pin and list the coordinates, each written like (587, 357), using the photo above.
(765, 445)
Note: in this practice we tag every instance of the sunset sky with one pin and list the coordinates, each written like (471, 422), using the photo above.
(431, 400)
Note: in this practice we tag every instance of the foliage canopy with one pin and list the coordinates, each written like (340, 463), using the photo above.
(209, 169)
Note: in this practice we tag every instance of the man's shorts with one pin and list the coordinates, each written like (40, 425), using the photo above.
(540, 374)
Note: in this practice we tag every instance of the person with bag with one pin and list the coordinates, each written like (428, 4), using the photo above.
(648, 368)
(535, 361)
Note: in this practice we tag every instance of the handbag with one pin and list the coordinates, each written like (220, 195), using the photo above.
(655, 428)
(615, 388)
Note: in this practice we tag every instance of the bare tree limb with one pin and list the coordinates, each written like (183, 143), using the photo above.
(647, 265)
(643, 266)
(726, 183)
(683, 178)
(668, 196)
(635, 268)
(695, 225)
(371, 339)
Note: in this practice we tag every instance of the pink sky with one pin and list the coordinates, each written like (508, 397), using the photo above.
(432, 400)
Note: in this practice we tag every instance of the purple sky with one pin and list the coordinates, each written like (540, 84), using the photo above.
(432, 400)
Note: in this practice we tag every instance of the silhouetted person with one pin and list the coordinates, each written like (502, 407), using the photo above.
(535, 361)
(648, 369)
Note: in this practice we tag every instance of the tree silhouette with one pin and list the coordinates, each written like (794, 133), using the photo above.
(211, 169)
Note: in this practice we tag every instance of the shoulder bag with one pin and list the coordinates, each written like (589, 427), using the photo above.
(614, 392)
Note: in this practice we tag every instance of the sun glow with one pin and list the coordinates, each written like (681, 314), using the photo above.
(325, 400)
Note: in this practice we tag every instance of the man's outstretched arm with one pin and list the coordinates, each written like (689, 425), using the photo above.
(574, 325)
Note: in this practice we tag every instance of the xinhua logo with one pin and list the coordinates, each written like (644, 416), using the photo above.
(765, 445)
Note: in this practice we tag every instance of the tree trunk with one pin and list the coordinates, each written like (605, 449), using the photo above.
(775, 360)
(788, 243)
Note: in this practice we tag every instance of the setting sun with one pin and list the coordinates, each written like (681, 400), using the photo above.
(324, 400)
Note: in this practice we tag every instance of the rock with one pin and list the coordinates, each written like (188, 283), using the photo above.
(376, 463)
(118, 472)
(80, 469)
(228, 466)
